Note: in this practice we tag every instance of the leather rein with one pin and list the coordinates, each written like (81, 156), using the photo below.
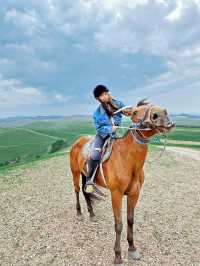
(137, 128)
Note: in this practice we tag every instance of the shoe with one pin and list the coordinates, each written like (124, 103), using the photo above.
(92, 165)
(89, 186)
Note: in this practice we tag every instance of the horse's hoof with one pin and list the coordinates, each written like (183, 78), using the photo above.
(118, 262)
(135, 255)
(80, 217)
(93, 219)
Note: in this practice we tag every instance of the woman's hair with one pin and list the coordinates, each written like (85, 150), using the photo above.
(99, 89)
(110, 107)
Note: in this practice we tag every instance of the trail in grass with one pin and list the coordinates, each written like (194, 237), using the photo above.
(39, 133)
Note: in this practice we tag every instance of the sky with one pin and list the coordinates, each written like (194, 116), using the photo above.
(54, 52)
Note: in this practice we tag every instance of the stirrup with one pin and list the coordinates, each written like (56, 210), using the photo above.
(89, 187)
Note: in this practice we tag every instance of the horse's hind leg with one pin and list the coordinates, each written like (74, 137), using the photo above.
(78, 206)
(131, 202)
(117, 205)
(87, 197)
(76, 181)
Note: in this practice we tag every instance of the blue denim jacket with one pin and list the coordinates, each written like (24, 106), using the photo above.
(102, 122)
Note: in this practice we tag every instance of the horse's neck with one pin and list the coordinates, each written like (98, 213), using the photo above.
(149, 133)
(143, 134)
(132, 146)
(133, 153)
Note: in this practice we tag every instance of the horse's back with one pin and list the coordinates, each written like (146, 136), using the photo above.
(80, 142)
(77, 159)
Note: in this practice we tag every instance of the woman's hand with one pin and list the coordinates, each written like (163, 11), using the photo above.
(114, 128)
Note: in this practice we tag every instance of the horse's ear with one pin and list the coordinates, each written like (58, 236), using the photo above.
(143, 102)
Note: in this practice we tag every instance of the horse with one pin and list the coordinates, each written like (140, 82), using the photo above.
(124, 169)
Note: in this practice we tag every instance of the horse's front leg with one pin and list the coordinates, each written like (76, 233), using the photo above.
(117, 205)
(131, 202)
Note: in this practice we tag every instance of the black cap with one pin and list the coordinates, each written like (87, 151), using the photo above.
(99, 89)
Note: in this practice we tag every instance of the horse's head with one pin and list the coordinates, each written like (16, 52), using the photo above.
(151, 116)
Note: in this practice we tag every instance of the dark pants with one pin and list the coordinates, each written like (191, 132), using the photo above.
(98, 145)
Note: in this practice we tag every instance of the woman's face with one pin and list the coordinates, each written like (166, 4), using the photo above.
(104, 97)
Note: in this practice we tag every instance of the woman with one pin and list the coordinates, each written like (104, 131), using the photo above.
(106, 124)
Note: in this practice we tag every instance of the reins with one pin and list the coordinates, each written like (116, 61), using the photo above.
(145, 140)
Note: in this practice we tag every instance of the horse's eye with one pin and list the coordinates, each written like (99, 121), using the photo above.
(135, 112)
(155, 116)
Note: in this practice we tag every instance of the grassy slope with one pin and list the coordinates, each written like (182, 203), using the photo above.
(17, 142)
(186, 134)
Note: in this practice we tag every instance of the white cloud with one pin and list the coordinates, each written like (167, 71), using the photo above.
(14, 93)
(162, 28)
(60, 98)
(179, 91)
(170, 31)
(176, 13)
(28, 20)
(145, 28)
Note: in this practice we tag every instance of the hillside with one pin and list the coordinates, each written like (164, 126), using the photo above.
(29, 139)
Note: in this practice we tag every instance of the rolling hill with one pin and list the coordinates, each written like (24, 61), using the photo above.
(26, 139)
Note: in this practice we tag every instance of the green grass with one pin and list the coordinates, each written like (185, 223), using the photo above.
(15, 143)
(19, 142)
(29, 163)
(185, 134)
(187, 122)
(63, 129)
(14, 136)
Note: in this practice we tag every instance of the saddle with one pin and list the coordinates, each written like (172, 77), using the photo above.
(105, 154)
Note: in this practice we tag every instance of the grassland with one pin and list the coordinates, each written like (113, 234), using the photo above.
(23, 143)
(33, 141)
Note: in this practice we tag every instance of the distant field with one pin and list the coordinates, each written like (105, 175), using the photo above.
(17, 143)
(186, 134)
(27, 142)
(187, 121)
(62, 129)
(32, 141)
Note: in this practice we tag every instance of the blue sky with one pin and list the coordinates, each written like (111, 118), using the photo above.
(53, 53)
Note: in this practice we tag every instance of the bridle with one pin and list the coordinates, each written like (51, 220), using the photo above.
(137, 130)
(143, 126)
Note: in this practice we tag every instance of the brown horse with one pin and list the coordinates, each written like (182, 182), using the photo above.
(124, 169)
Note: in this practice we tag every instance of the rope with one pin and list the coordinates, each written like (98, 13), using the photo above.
(134, 128)
(147, 129)
(161, 153)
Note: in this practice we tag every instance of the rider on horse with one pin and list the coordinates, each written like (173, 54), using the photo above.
(106, 124)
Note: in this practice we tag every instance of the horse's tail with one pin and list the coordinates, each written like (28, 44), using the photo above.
(76, 162)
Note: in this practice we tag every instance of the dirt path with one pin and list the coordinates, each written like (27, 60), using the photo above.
(185, 152)
(37, 133)
(38, 225)
(171, 141)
